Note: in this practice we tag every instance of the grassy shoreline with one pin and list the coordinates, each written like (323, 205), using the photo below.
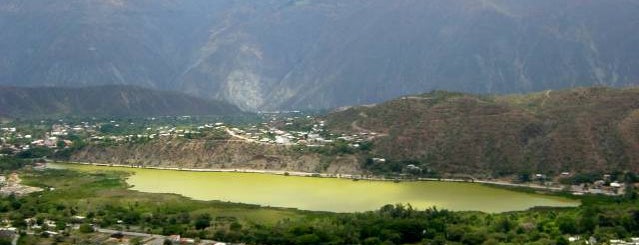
(435, 188)
(103, 185)
(103, 196)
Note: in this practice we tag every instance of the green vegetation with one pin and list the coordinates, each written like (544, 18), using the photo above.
(102, 198)
(86, 228)
(35, 152)
(404, 225)
(339, 147)
(8, 163)
(399, 169)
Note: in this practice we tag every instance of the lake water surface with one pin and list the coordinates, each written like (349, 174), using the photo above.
(327, 194)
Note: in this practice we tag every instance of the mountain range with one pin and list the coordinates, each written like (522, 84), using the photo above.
(316, 54)
(106, 100)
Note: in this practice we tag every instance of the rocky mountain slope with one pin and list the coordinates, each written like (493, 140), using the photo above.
(577, 130)
(305, 54)
(108, 100)
(207, 154)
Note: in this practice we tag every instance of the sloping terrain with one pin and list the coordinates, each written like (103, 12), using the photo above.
(205, 154)
(301, 54)
(108, 100)
(583, 130)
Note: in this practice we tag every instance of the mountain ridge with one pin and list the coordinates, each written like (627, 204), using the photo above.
(572, 130)
(282, 54)
(106, 100)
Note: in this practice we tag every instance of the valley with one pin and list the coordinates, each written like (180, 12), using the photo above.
(519, 139)
(250, 179)
(319, 122)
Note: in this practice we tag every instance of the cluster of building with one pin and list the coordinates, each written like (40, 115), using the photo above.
(268, 134)
(603, 186)
(277, 131)
(631, 241)
(50, 228)
(14, 140)
(118, 237)
(274, 132)
(166, 131)
(8, 134)
(161, 132)
(592, 240)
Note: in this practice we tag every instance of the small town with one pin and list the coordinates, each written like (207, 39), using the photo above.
(60, 134)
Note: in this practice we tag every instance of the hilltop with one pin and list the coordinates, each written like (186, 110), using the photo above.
(108, 100)
(580, 130)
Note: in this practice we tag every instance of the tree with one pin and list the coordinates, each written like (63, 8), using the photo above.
(588, 221)
(86, 228)
(235, 226)
(19, 222)
(630, 192)
(183, 218)
(504, 225)
(11, 163)
(366, 146)
(60, 225)
(474, 238)
(562, 241)
(202, 221)
(524, 177)
(455, 233)
(307, 239)
(372, 241)
(567, 224)
(35, 152)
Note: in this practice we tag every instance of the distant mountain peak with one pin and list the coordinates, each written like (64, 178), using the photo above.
(282, 54)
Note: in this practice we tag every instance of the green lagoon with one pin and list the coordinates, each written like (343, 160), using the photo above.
(327, 194)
